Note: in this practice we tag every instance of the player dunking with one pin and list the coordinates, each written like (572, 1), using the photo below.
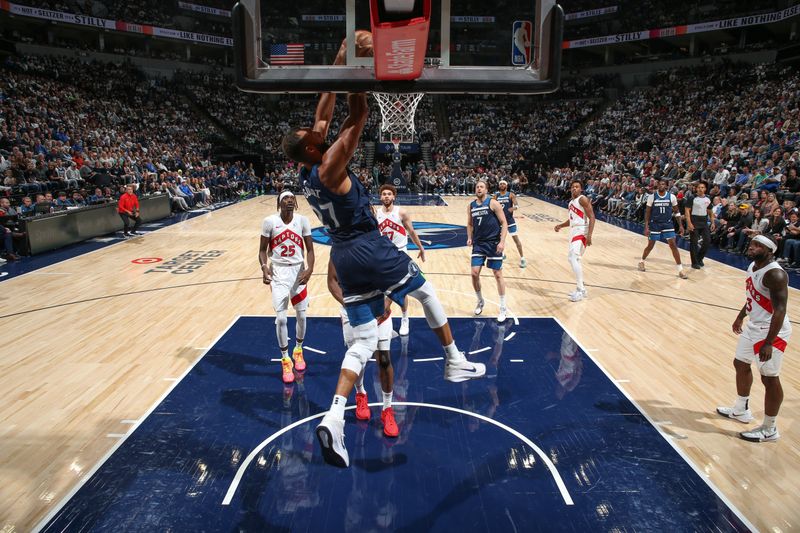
(367, 264)
(763, 340)
(509, 202)
(285, 236)
(662, 206)
(395, 223)
(581, 226)
(382, 356)
(486, 233)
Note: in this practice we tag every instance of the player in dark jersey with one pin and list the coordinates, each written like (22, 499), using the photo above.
(486, 232)
(508, 200)
(658, 226)
(367, 264)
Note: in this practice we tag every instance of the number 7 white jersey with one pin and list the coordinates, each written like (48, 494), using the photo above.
(286, 239)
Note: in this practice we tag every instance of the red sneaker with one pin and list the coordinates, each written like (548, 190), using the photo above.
(362, 406)
(390, 428)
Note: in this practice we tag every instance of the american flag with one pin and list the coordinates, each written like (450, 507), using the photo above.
(286, 54)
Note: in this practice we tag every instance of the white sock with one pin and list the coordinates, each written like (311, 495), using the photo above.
(337, 406)
(679, 267)
(405, 313)
(387, 400)
(503, 301)
(451, 352)
(298, 343)
(741, 405)
(479, 296)
(769, 421)
(285, 352)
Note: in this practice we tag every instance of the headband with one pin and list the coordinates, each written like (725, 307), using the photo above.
(760, 239)
(284, 194)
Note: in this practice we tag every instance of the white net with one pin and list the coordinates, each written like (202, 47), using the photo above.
(397, 115)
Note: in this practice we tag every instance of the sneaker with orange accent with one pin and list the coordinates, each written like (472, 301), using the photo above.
(390, 428)
(362, 406)
(297, 355)
(286, 366)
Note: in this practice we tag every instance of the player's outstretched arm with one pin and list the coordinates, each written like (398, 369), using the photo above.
(405, 218)
(469, 225)
(333, 170)
(587, 208)
(266, 268)
(333, 284)
(777, 282)
(495, 206)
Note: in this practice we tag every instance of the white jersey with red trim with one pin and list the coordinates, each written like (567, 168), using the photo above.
(759, 301)
(391, 225)
(286, 239)
(578, 220)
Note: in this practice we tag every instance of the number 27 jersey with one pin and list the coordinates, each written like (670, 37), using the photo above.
(286, 239)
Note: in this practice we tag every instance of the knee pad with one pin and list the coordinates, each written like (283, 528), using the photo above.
(280, 318)
(434, 312)
(365, 343)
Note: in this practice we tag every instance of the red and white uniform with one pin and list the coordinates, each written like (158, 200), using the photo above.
(287, 255)
(759, 310)
(391, 225)
(578, 225)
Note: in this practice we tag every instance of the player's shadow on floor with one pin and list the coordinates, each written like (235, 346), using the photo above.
(689, 420)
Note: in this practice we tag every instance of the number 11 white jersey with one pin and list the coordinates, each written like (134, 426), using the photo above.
(286, 239)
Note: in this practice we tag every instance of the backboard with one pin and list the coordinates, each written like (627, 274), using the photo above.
(510, 47)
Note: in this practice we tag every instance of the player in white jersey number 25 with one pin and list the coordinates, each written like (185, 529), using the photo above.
(286, 246)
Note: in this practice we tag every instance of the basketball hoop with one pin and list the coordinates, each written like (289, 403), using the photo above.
(397, 115)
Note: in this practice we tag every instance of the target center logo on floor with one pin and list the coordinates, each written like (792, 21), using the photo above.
(433, 235)
(185, 263)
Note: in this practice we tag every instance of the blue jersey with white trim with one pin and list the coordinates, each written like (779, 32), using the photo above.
(346, 216)
(661, 210)
(485, 226)
(505, 201)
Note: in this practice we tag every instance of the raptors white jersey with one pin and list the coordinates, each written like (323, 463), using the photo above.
(759, 301)
(391, 225)
(578, 220)
(286, 239)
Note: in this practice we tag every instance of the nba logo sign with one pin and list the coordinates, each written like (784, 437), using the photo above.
(521, 42)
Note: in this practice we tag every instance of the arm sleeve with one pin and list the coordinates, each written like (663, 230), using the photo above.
(673, 200)
(266, 228)
(650, 199)
(306, 229)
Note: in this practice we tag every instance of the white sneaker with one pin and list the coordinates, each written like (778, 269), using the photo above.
(523, 263)
(502, 316)
(403, 326)
(578, 295)
(330, 433)
(462, 370)
(745, 416)
(641, 266)
(682, 274)
(761, 434)
(479, 308)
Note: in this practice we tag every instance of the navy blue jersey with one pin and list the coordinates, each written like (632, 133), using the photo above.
(661, 210)
(345, 216)
(505, 201)
(485, 226)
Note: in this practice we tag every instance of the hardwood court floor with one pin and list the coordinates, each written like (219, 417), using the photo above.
(93, 342)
